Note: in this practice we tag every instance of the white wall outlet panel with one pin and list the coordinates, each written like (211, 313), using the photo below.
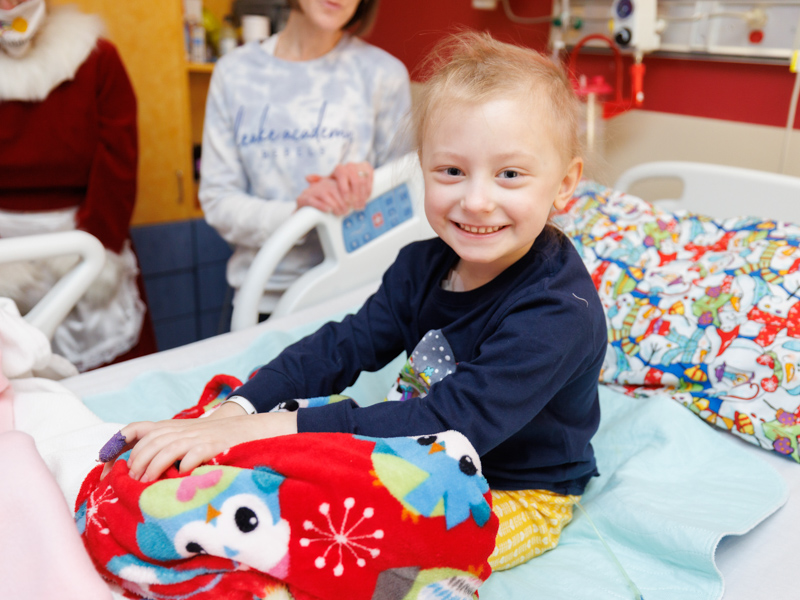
(703, 27)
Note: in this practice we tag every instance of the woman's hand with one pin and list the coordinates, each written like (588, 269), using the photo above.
(157, 446)
(323, 194)
(348, 188)
(355, 183)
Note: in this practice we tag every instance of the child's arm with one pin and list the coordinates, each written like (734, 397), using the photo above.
(323, 363)
(332, 358)
(539, 351)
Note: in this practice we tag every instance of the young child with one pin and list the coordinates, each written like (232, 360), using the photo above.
(501, 322)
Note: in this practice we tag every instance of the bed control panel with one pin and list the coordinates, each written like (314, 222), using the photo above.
(380, 215)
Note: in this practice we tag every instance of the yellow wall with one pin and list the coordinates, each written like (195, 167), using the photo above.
(149, 37)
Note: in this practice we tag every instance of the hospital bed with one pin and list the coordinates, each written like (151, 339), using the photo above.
(758, 563)
(749, 563)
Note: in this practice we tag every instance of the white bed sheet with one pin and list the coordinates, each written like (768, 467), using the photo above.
(759, 564)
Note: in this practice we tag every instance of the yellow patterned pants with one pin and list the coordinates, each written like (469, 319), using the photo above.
(530, 524)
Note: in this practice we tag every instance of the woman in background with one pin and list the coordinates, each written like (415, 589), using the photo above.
(68, 158)
(300, 119)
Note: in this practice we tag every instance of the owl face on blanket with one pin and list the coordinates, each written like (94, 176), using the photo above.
(216, 511)
(219, 511)
(434, 475)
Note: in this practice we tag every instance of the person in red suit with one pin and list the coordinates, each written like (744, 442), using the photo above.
(68, 159)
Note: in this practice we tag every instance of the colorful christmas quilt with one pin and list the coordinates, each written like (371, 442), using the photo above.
(309, 516)
(707, 310)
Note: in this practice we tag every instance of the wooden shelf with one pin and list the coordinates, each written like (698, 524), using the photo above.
(192, 67)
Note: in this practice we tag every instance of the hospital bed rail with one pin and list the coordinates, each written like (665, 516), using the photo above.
(344, 267)
(721, 191)
(56, 304)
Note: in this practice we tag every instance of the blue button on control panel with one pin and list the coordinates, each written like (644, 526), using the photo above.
(624, 9)
(379, 216)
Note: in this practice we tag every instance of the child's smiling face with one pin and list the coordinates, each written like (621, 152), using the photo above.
(492, 172)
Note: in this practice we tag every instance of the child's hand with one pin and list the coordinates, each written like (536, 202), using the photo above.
(158, 445)
(118, 444)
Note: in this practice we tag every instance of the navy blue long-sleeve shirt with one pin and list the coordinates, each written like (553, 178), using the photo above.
(528, 345)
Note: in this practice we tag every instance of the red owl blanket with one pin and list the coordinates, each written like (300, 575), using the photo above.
(322, 516)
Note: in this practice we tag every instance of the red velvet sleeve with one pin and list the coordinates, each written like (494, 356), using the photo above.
(111, 192)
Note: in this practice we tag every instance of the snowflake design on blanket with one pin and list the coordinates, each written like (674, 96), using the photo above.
(343, 538)
(88, 513)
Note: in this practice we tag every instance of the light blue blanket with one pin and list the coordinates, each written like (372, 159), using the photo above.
(670, 488)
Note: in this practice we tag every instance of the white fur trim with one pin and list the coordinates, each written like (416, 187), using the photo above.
(65, 40)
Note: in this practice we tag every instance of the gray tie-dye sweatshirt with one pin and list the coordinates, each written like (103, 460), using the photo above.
(270, 122)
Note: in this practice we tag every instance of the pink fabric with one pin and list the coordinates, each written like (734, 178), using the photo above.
(41, 554)
(6, 401)
(6, 410)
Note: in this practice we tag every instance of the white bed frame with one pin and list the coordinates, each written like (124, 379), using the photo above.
(340, 271)
(721, 191)
(53, 308)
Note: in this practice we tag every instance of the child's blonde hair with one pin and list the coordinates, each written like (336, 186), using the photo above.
(472, 67)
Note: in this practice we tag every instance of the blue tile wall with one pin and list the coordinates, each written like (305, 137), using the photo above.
(164, 248)
(171, 294)
(210, 245)
(183, 266)
(212, 286)
(215, 322)
(172, 333)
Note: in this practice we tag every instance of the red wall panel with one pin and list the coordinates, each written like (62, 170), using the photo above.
(733, 91)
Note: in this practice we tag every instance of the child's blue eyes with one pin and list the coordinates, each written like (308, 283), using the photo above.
(456, 172)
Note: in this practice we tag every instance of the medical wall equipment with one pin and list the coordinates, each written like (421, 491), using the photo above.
(619, 104)
(634, 24)
(732, 28)
(634, 28)
(595, 93)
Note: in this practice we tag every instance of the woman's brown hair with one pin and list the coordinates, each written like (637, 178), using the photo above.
(362, 20)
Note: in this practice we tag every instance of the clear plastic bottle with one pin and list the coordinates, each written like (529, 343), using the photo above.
(196, 31)
(227, 36)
